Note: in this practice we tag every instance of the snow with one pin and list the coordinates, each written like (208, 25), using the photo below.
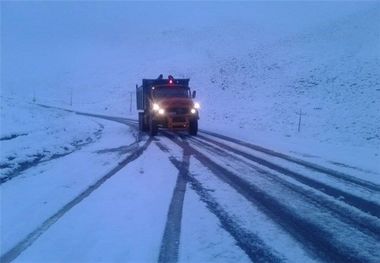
(255, 65)
(345, 234)
(352, 171)
(202, 240)
(44, 188)
(250, 217)
(119, 221)
(29, 135)
(263, 61)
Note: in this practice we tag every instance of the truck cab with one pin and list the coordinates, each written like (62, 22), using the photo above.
(167, 104)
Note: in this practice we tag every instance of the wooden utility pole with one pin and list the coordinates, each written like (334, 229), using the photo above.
(130, 101)
(300, 119)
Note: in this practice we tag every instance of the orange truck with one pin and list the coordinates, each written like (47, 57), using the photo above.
(167, 104)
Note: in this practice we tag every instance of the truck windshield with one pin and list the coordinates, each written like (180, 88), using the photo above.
(171, 92)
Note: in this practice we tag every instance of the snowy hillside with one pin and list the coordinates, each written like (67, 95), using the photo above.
(329, 72)
(255, 65)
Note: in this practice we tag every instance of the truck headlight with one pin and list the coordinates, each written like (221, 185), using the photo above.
(161, 111)
(156, 107)
(197, 105)
(193, 111)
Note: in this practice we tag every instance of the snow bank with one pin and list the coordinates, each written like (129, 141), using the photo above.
(30, 134)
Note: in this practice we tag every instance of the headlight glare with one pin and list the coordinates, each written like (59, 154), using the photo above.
(156, 107)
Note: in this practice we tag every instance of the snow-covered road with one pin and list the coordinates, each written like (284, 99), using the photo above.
(176, 198)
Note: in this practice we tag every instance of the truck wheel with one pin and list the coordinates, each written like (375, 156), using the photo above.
(153, 128)
(141, 121)
(145, 126)
(193, 127)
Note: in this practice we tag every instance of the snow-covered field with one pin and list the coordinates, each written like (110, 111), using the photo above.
(264, 62)
(101, 192)
(33, 193)
(30, 135)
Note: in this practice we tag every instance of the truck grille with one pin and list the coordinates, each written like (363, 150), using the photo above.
(178, 111)
(179, 119)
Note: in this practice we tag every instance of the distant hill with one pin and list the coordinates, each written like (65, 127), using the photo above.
(255, 65)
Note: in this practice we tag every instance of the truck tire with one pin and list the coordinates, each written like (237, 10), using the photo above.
(145, 125)
(141, 121)
(193, 127)
(153, 128)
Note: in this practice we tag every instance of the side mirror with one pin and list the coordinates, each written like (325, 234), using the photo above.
(194, 94)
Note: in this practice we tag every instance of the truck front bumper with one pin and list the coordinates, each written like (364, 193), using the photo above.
(175, 122)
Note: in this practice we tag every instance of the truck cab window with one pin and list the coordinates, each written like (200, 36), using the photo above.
(170, 92)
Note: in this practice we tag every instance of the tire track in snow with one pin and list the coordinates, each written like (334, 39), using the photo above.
(171, 238)
(328, 171)
(315, 240)
(364, 223)
(249, 242)
(353, 200)
(101, 116)
(14, 252)
(40, 158)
